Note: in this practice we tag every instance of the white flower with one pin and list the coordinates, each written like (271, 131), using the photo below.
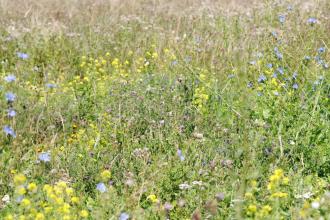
(184, 186)
(199, 183)
(6, 199)
(315, 205)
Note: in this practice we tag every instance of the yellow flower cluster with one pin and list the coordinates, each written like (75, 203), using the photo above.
(201, 95)
(277, 179)
(56, 201)
(153, 198)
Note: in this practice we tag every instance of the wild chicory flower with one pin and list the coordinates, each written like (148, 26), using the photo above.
(278, 54)
(23, 56)
(10, 97)
(123, 216)
(321, 50)
(179, 152)
(11, 113)
(9, 131)
(101, 187)
(281, 18)
(44, 157)
(10, 78)
(311, 21)
(262, 78)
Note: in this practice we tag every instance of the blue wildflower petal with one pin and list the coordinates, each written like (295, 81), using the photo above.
(44, 157)
(123, 216)
(10, 78)
(10, 97)
(101, 187)
(23, 56)
(9, 131)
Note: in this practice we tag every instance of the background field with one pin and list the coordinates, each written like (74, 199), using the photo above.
(161, 109)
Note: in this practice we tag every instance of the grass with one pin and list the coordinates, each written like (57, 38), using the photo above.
(164, 109)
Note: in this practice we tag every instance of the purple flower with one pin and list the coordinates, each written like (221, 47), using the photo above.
(281, 18)
(179, 152)
(311, 21)
(101, 187)
(262, 78)
(10, 97)
(44, 157)
(9, 131)
(269, 65)
(295, 86)
(11, 113)
(123, 216)
(23, 56)
(10, 78)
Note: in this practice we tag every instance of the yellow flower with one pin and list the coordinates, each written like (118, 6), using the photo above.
(48, 209)
(40, 216)
(279, 195)
(32, 187)
(69, 191)
(21, 217)
(21, 190)
(25, 202)
(285, 180)
(19, 179)
(153, 198)
(75, 200)
(248, 195)
(266, 209)
(83, 213)
(105, 175)
(251, 209)
(9, 217)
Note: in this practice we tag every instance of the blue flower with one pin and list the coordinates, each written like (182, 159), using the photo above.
(10, 97)
(44, 157)
(253, 62)
(278, 54)
(51, 85)
(294, 75)
(274, 75)
(307, 58)
(295, 86)
(269, 65)
(321, 50)
(262, 78)
(174, 63)
(10, 78)
(281, 18)
(124, 216)
(250, 85)
(11, 113)
(101, 187)
(9, 131)
(179, 152)
(280, 70)
(23, 56)
(275, 35)
(311, 21)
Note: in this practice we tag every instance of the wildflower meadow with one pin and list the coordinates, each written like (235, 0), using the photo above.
(164, 109)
